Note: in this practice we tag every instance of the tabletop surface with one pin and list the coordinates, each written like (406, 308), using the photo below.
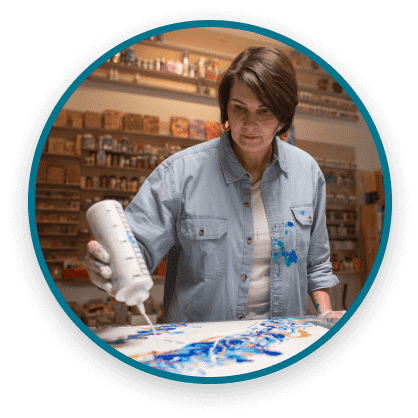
(215, 348)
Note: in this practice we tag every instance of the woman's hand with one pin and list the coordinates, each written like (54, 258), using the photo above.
(97, 264)
(332, 316)
(322, 302)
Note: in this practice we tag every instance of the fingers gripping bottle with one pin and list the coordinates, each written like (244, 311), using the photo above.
(131, 280)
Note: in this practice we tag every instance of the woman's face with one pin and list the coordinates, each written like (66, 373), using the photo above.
(253, 125)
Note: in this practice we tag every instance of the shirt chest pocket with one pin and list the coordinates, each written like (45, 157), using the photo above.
(304, 217)
(204, 243)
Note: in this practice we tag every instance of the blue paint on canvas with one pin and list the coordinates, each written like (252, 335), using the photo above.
(197, 357)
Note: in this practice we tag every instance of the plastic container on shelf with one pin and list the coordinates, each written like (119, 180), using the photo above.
(153, 161)
(146, 156)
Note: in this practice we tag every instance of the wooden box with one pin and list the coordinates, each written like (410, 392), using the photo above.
(92, 120)
(197, 129)
(55, 174)
(112, 119)
(78, 144)
(61, 119)
(213, 130)
(42, 170)
(56, 145)
(73, 175)
(179, 127)
(69, 147)
(151, 124)
(133, 122)
(53, 217)
(75, 118)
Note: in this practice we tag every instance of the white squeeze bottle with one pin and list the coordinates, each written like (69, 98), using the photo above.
(130, 276)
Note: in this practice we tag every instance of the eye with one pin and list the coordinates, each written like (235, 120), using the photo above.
(265, 110)
(238, 107)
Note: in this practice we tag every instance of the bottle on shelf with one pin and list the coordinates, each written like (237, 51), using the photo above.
(101, 158)
(146, 156)
(186, 63)
(140, 157)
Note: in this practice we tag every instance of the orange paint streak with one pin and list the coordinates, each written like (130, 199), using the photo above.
(302, 333)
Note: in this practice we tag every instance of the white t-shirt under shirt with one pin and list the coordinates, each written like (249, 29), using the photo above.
(259, 292)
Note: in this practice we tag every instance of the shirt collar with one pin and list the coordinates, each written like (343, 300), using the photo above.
(233, 169)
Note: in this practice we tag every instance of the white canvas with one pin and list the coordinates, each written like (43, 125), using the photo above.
(214, 348)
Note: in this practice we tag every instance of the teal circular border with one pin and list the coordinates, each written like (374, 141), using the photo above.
(248, 28)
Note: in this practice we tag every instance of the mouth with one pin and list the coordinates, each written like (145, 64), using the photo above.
(249, 137)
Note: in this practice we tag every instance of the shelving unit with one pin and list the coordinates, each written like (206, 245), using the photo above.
(49, 195)
(312, 100)
(343, 218)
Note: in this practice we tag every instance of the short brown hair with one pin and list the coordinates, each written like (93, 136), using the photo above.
(268, 72)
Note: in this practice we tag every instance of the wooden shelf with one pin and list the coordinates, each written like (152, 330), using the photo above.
(164, 75)
(53, 154)
(110, 191)
(182, 48)
(57, 222)
(65, 185)
(152, 139)
(145, 171)
(343, 237)
(323, 99)
(57, 210)
(303, 87)
(343, 208)
(58, 248)
(336, 222)
(351, 170)
(56, 234)
(310, 71)
(338, 273)
(55, 197)
(151, 89)
(340, 186)
(229, 57)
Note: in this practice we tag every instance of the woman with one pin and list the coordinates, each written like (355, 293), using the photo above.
(241, 216)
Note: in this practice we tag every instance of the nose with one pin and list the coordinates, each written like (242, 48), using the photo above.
(250, 120)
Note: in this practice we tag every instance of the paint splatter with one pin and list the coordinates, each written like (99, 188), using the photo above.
(303, 212)
(279, 251)
(193, 359)
(145, 333)
(288, 226)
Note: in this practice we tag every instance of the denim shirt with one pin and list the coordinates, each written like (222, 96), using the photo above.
(196, 206)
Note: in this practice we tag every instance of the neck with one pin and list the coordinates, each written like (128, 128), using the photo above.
(255, 164)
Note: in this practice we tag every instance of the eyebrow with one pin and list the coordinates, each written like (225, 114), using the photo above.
(237, 100)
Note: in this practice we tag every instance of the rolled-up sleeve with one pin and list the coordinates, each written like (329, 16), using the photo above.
(152, 215)
(319, 267)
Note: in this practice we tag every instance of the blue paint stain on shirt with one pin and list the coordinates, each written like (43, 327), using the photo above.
(288, 225)
(303, 212)
(279, 251)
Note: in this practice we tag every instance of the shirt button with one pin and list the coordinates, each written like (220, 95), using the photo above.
(249, 240)
(240, 316)
(201, 232)
(310, 219)
(244, 277)
(246, 204)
